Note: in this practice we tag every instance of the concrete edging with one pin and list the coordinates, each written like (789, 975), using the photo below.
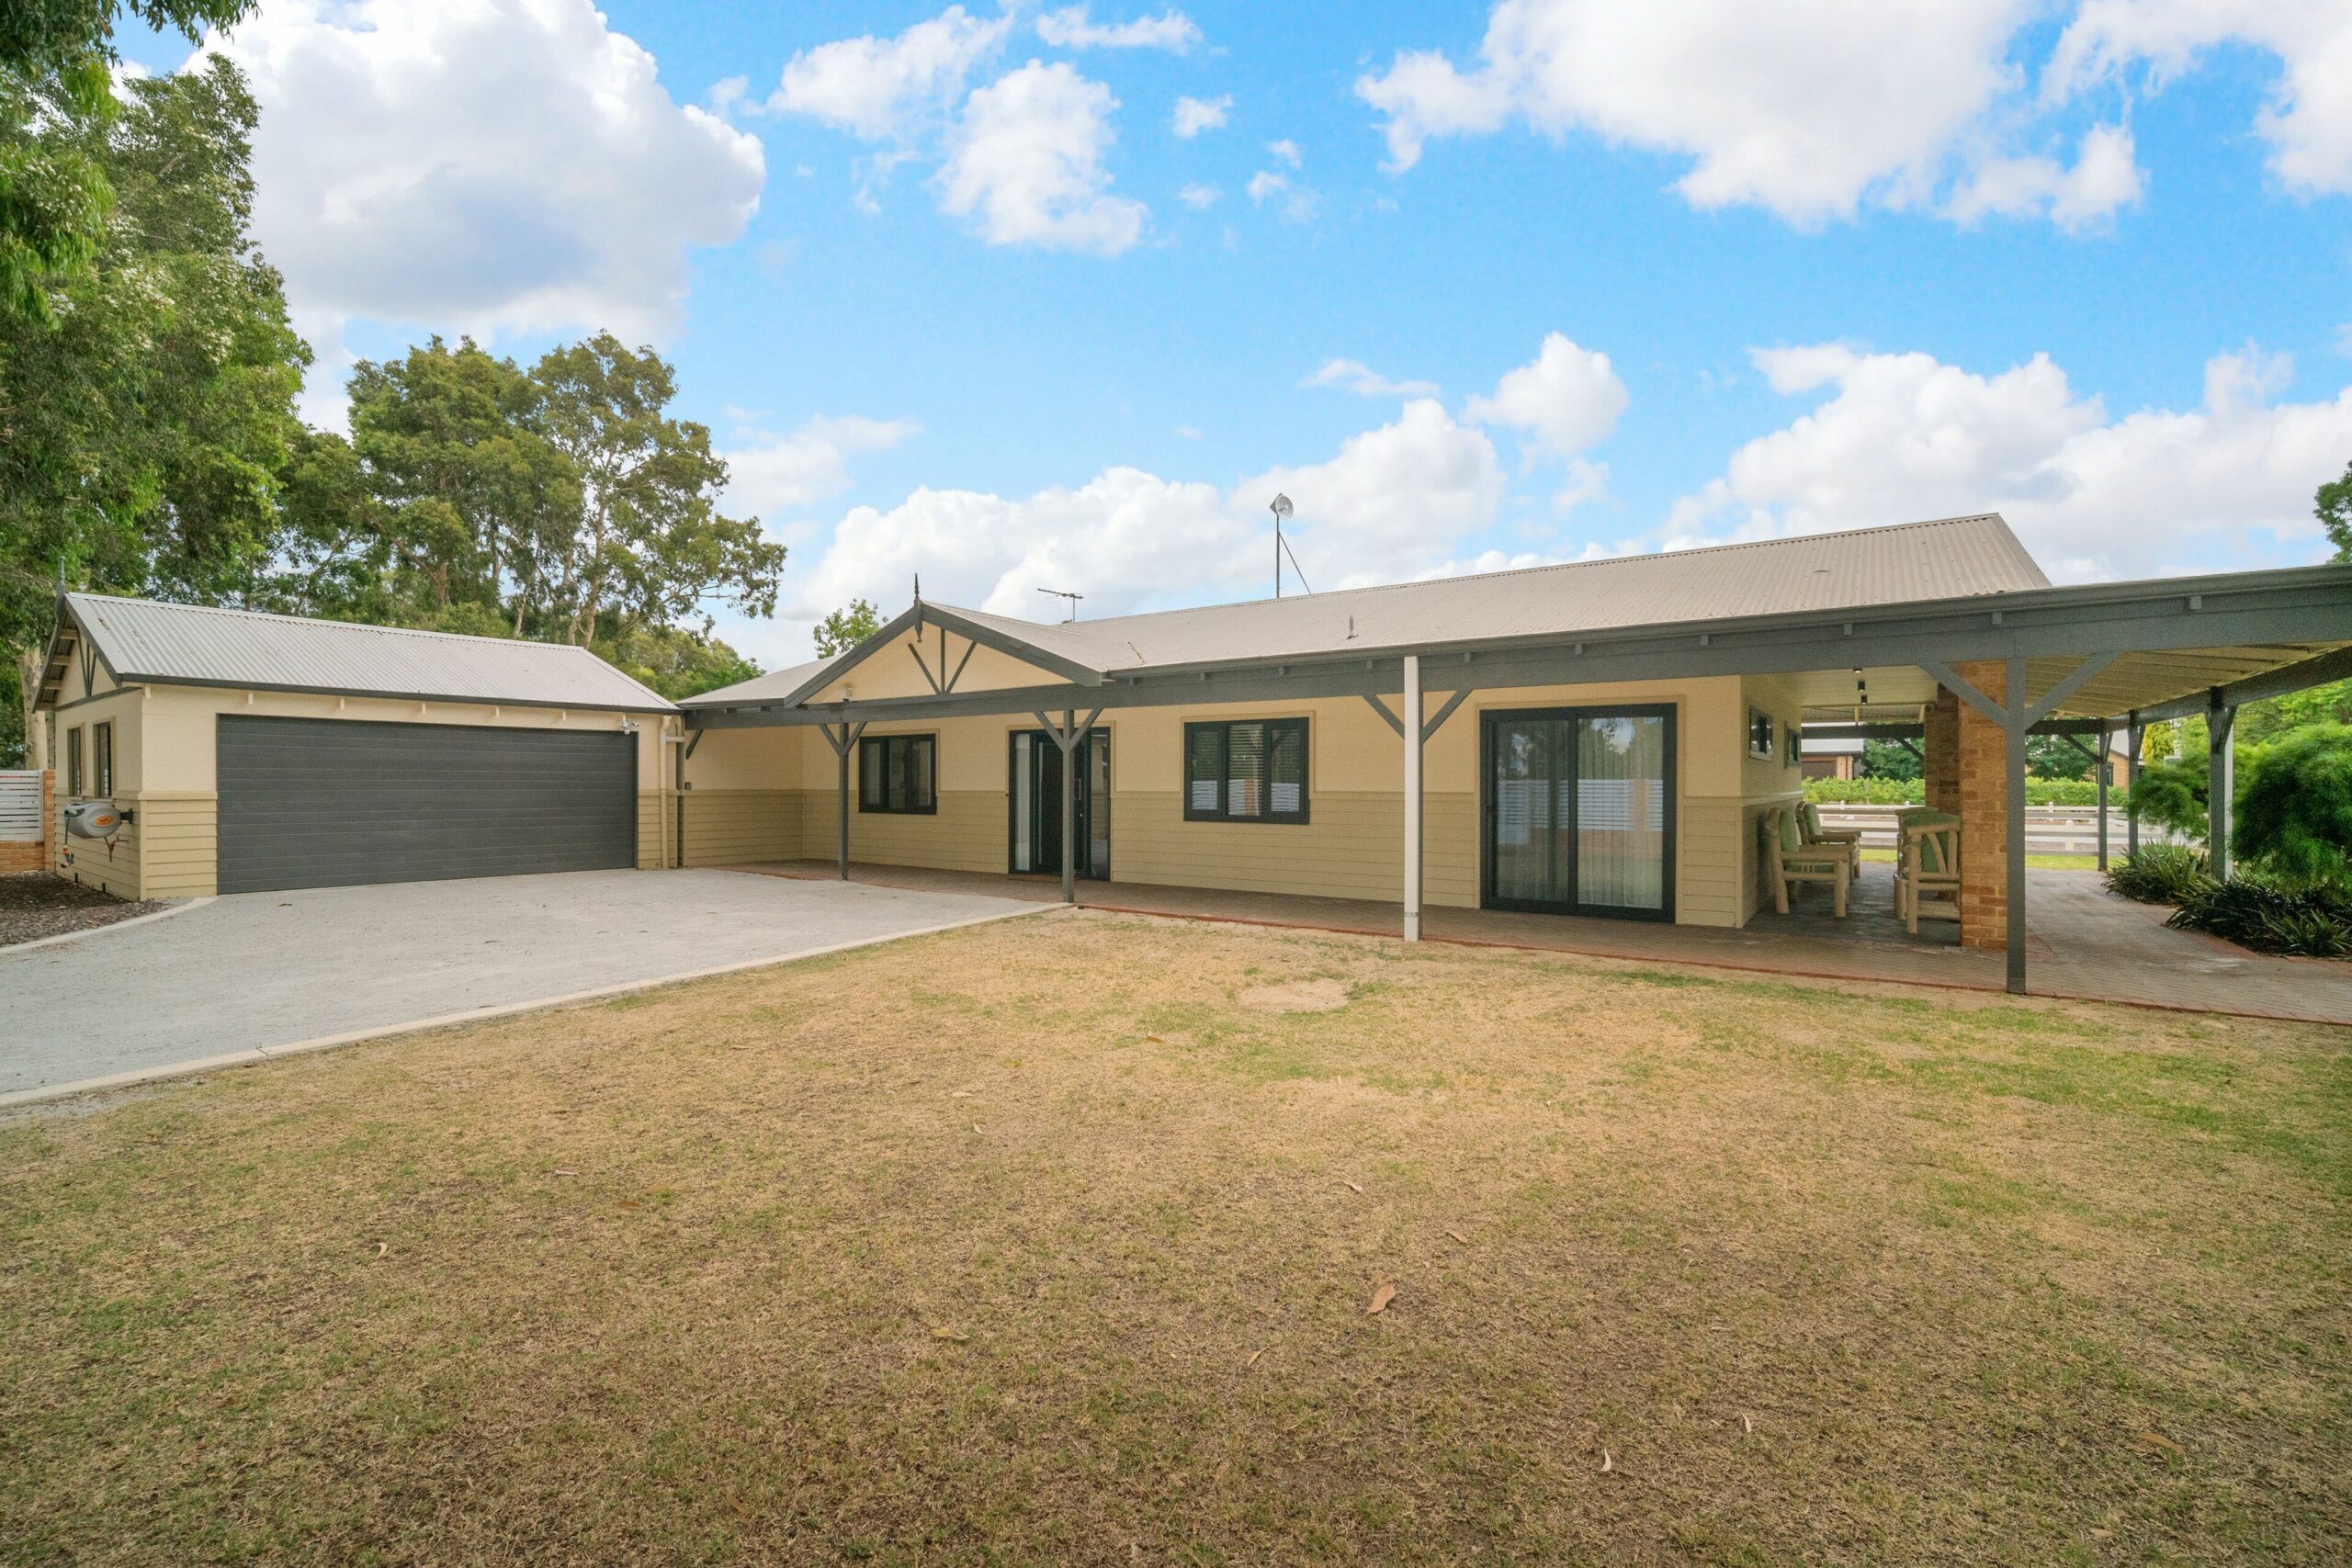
(180, 907)
(259, 1054)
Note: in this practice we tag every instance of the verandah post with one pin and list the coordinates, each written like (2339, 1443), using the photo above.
(1412, 798)
(2221, 781)
(2020, 718)
(2098, 772)
(1068, 740)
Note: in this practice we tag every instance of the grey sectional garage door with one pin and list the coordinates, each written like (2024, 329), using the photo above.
(323, 802)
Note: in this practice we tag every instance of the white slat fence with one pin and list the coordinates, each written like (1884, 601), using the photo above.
(19, 806)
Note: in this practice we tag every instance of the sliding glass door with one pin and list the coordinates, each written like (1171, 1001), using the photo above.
(1579, 811)
(1036, 776)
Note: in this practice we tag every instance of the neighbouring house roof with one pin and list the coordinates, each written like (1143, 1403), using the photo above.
(144, 640)
(1948, 558)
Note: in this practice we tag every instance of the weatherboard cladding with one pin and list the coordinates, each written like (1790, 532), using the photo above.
(141, 639)
(1903, 564)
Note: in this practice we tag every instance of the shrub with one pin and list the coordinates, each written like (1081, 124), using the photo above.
(2307, 922)
(2172, 795)
(1913, 792)
(2294, 804)
(2159, 874)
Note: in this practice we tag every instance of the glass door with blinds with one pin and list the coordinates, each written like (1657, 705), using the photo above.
(1578, 808)
(1036, 830)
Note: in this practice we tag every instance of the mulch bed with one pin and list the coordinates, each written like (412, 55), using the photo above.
(34, 903)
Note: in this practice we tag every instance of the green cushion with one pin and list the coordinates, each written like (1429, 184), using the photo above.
(1791, 840)
(1812, 821)
(1931, 853)
(1924, 817)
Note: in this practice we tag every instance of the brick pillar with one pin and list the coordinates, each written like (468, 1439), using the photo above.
(1981, 759)
(1942, 747)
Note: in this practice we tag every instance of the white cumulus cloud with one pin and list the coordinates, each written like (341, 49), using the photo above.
(1802, 110)
(1195, 115)
(1355, 376)
(479, 168)
(1395, 502)
(2308, 118)
(2105, 176)
(882, 88)
(769, 475)
(1566, 401)
(1199, 198)
(1070, 28)
(1026, 161)
(1900, 436)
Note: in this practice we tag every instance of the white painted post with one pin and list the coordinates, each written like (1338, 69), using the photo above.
(1412, 798)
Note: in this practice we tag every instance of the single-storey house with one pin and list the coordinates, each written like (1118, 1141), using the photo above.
(1604, 737)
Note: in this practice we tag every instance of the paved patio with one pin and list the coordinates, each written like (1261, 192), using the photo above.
(2082, 942)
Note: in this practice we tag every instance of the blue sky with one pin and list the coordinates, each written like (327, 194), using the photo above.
(1614, 277)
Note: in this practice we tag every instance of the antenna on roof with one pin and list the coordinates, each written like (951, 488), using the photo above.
(1065, 593)
(918, 588)
(1280, 506)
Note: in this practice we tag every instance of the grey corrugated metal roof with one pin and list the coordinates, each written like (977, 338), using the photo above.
(143, 640)
(772, 686)
(1905, 563)
(1946, 558)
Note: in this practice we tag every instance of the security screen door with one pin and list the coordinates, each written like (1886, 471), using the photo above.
(1579, 811)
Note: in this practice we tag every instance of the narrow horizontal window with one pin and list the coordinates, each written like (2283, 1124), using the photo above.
(898, 774)
(1246, 771)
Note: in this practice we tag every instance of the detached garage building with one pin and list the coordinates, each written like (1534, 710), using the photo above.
(258, 752)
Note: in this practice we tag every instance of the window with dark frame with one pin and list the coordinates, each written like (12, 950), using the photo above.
(102, 759)
(1760, 735)
(898, 774)
(1251, 770)
(74, 762)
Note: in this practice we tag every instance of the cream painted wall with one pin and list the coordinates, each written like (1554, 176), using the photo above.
(891, 672)
(755, 784)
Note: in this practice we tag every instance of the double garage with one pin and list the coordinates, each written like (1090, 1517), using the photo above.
(324, 803)
(256, 753)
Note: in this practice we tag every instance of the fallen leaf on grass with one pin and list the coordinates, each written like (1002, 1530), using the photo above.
(563, 1173)
(1380, 1300)
(1350, 1185)
(946, 1331)
(1253, 1358)
(631, 1203)
(382, 1248)
(2155, 1441)
(1608, 1462)
(1458, 1236)
(1746, 1425)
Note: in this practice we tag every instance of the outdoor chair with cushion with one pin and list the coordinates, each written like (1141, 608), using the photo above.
(1926, 870)
(1809, 821)
(1793, 861)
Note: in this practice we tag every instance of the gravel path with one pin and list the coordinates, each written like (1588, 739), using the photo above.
(34, 903)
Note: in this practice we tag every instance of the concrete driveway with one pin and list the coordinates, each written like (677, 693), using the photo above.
(259, 971)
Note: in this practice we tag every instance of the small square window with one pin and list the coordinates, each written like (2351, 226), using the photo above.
(1761, 735)
(898, 774)
(1246, 771)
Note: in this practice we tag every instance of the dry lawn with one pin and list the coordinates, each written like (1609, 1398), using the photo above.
(1032, 1243)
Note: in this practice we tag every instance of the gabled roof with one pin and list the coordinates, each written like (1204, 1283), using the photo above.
(144, 640)
(1948, 558)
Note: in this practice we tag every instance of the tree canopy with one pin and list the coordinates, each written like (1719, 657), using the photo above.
(148, 441)
(846, 627)
(56, 61)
